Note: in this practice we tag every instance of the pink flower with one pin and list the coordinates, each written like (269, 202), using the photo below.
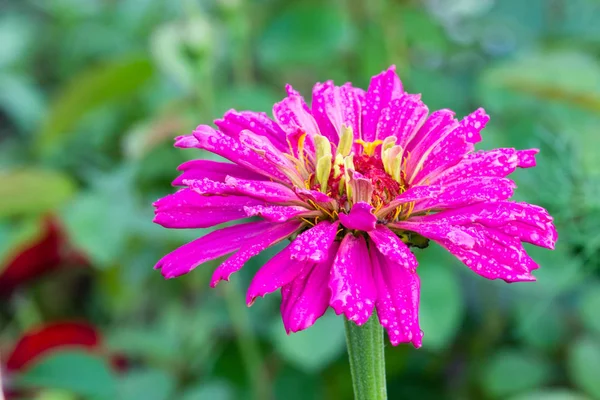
(353, 181)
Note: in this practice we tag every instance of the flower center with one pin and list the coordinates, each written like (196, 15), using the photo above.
(385, 188)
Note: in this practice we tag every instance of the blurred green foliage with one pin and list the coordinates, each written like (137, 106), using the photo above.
(93, 91)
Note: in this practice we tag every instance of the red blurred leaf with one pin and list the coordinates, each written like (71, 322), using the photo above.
(51, 251)
(38, 342)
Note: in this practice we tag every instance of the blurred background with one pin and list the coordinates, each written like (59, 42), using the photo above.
(92, 93)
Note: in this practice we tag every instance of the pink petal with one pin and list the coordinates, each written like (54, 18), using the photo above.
(351, 282)
(252, 247)
(402, 118)
(233, 150)
(450, 148)
(322, 97)
(278, 213)
(206, 186)
(278, 271)
(527, 222)
(234, 122)
(438, 122)
(306, 298)
(469, 191)
(443, 154)
(398, 291)
(213, 170)
(382, 90)
(314, 243)
(292, 114)
(186, 142)
(361, 217)
(527, 158)
(473, 124)
(208, 247)
(269, 191)
(264, 148)
(488, 252)
(415, 193)
(315, 196)
(494, 163)
(187, 209)
(392, 248)
(337, 106)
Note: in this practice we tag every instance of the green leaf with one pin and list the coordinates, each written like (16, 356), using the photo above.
(292, 384)
(253, 98)
(550, 394)
(33, 191)
(512, 371)
(16, 34)
(442, 308)
(93, 87)
(21, 98)
(312, 349)
(305, 34)
(564, 76)
(76, 371)
(99, 220)
(589, 305)
(182, 48)
(558, 273)
(540, 323)
(210, 390)
(584, 364)
(146, 384)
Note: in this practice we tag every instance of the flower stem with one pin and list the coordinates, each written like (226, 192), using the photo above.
(367, 359)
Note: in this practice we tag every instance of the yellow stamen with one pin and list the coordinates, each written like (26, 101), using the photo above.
(369, 147)
(308, 221)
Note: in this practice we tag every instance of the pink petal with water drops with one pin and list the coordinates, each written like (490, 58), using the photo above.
(439, 121)
(527, 222)
(278, 213)
(314, 243)
(469, 191)
(234, 122)
(264, 190)
(278, 271)
(187, 209)
(322, 97)
(527, 158)
(351, 281)
(441, 156)
(360, 217)
(231, 149)
(252, 247)
(486, 251)
(265, 149)
(392, 247)
(473, 124)
(402, 118)
(415, 193)
(208, 247)
(213, 170)
(494, 163)
(186, 142)
(305, 299)
(292, 114)
(397, 304)
(382, 90)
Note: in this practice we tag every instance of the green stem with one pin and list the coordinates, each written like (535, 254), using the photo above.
(367, 359)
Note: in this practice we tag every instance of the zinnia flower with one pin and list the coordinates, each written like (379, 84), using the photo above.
(353, 181)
